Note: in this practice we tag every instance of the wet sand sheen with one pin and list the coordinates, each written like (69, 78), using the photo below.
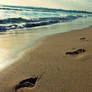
(61, 72)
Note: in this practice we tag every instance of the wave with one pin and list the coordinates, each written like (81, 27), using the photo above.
(36, 17)
(22, 20)
(22, 8)
(13, 20)
(17, 23)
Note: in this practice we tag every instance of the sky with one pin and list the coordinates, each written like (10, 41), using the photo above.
(61, 4)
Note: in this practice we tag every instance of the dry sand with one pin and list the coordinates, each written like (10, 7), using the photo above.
(60, 72)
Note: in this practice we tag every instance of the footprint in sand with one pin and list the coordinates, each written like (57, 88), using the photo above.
(83, 39)
(75, 52)
(30, 82)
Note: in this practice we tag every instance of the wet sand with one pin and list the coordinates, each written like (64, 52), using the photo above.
(60, 72)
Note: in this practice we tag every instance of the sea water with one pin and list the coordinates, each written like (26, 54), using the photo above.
(22, 27)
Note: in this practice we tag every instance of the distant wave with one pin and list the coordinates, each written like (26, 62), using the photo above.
(22, 8)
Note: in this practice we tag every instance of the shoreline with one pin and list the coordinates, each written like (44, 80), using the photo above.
(15, 43)
(38, 43)
(34, 35)
(61, 71)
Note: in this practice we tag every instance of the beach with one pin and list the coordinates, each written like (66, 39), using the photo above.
(59, 71)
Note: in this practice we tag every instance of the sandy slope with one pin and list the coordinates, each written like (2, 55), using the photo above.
(60, 72)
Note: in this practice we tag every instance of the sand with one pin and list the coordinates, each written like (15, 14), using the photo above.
(59, 72)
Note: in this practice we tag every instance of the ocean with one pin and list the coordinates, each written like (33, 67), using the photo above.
(22, 27)
(19, 17)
